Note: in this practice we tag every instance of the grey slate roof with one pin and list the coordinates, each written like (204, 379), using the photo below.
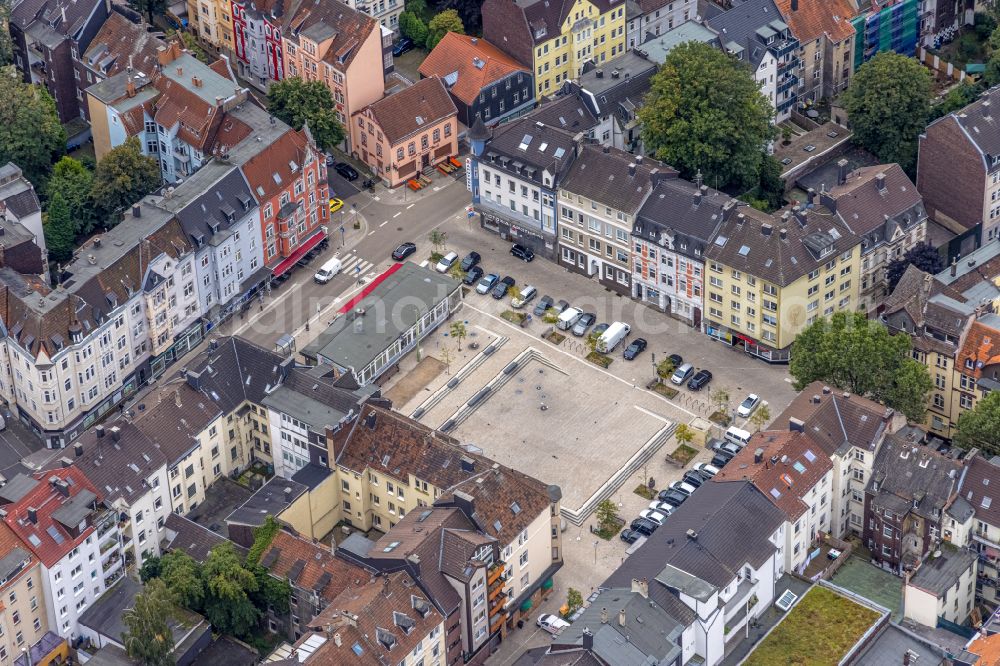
(185, 535)
(981, 126)
(119, 469)
(567, 112)
(619, 80)
(937, 574)
(906, 472)
(678, 211)
(271, 499)
(17, 487)
(738, 26)
(16, 193)
(602, 174)
(216, 194)
(235, 371)
(979, 485)
(733, 521)
(312, 475)
(542, 145)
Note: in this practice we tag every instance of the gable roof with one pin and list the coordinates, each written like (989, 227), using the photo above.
(197, 541)
(120, 461)
(346, 28)
(980, 124)
(676, 205)
(531, 148)
(812, 19)
(468, 64)
(603, 174)
(738, 26)
(909, 477)
(929, 302)
(121, 44)
(48, 538)
(732, 523)
(412, 110)
(790, 466)
(981, 488)
(980, 348)
(234, 370)
(310, 566)
(271, 171)
(16, 559)
(863, 206)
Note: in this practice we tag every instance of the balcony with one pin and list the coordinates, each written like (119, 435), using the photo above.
(494, 573)
(109, 545)
(782, 49)
(495, 626)
(111, 564)
(744, 591)
(789, 83)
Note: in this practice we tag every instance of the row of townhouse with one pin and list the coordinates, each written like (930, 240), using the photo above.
(746, 278)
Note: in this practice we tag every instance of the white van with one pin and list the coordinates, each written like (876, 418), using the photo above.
(738, 436)
(612, 337)
(682, 373)
(447, 261)
(328, 270)
(568, 318)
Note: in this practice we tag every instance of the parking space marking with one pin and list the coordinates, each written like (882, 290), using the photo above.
(371, 233)
(383, 224)
(410, 206)
(397, 215)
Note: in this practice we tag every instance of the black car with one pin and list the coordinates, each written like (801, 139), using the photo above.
(560, 306)
(522, 253)
(501, 288)
(672, 497)
(472, 275)
(635, 348)
(403, 251)
(470, 260)
(676, 359)
(544, 304)
(694, 478)
(629, 535)
(347, 171)
(402, 46)
(330, 162)
(700, 380)
(643, 526)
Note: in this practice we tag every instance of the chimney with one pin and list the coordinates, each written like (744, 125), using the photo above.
(954, 266)
(880, 182)
(758, 456)
(337, 640)
(130, 88)
(641, 586)
(180, 71)
(638, 159)
(465, 502)
(196, 82)
(116, 433)
(691, 534)
(621, 617)
(604, 616)
(78, 450)
(783, 233)
(33, 515)
(800, 215)
(588, 639)
(826, 390)
(631, 169)
(698, 179)
(599, 73)
(414, 561)
(811, 196)
(842, 170)
(697, 198)
(137, 211)
(795, 5)
(100, 431)
(796, 425)
(766, 229)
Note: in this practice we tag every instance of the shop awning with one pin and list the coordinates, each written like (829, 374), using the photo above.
(299, 252)
(349, 305)
(547, 585)
(526, 605)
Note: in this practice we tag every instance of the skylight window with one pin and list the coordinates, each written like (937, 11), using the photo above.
(525, 142)
(720, 240)
(744, 250)
(799, 467)
(809, 455)
(542, 146)
(987, 501)
(774, 493)
(560, 152)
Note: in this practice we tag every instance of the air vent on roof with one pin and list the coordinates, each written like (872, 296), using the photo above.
(478, 63)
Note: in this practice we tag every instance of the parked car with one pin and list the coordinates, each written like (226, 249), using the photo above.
(600, 328)
(544, 304)
(335, 204)
(693, 478)
(727, 447)
(521, 252)
(681, 373)
(487, 283)
(402, 46)
(551, 623)
(700, 380)
(403, 251)
(473, 275)
(676, 359)
(720, 459)
(643, 526)
(585, 321)
(706, 469)
(662, 507)
(748, 405)
(655, 516)
(560, 306)
(629, 535)
(528, 294)
(682, 487)
(470, 260)
(330, 161)
(347, 171)
(446, 262)
(671, 497)
(634, 348)
(501, 288)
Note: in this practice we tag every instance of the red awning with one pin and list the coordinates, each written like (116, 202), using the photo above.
(369, 289)
(299, 252)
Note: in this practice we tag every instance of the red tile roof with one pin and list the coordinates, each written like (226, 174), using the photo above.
(791, 465)
(813, 18)
(981, 346)
(475, 62)
(46, 499)
(317, 560)
(269, 172)
(412, 110)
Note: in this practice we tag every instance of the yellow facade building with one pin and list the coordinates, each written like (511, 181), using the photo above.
(211, 21)
(767, 278)
(556, 38)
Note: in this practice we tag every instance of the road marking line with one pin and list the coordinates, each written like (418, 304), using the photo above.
(397, 215)
(436, 189)
(410, 206)
(383, 224)
(653, 414)
(371, 233)
(376, 198)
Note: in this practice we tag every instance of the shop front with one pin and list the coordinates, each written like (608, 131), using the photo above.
(541, 243)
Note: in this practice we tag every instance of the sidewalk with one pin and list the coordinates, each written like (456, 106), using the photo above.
(403, 195)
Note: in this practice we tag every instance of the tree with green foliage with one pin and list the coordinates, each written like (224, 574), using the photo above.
(607, 515)
(770, 190)
(705, 113)
(271, 592)
(59, 230)
(574, 600)
(150, 8)
(443, 23)
(959, 96)
(6, 44)
(888, 104)
(228, 586)
(74, 182)
(438, 239)
(263, 535)
(31, 135)
(412, 26)
(683, 433)
(190, 43)
(151, 568)
(921, 255)
(149, 639)
(980, 427)
(760, 417)
(665, 368)
(458, 331)
(298, 102)
(183, 577)
(122, 178)
(858, 355)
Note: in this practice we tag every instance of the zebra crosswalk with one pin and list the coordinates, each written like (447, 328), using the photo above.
(355, 266)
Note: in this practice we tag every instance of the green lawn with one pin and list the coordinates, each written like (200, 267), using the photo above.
(818, 631)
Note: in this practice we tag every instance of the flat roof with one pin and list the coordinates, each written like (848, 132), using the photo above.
(273, 497)
(656, 48)
(353, 341)
(937, 574)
